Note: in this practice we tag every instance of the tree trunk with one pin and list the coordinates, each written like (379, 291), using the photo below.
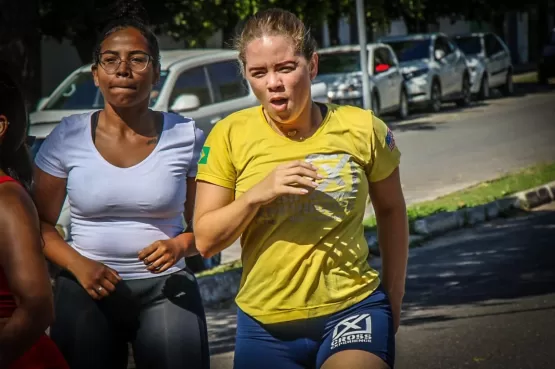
(20, 44)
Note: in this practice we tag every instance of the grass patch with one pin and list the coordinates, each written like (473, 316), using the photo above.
(531, 77)
(480, 194)
(221, 268)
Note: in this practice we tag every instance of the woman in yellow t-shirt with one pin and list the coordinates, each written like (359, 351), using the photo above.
(291, 177)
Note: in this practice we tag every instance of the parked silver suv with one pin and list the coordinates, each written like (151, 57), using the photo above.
(340, 68)
(435, 69)
(490, 62)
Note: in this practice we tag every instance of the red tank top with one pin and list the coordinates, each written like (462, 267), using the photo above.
(7, 302)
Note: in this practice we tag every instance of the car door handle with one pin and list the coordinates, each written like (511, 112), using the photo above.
(215, 120)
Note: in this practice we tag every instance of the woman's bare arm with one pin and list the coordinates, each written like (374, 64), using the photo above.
(49, 195)
(393, 233)
(219, 219)
(22, 261)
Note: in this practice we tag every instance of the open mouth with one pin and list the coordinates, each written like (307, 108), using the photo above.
(279, 103)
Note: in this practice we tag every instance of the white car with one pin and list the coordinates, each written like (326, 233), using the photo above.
(490, 62)
(339, 67)
(204, 84)
(435, 69)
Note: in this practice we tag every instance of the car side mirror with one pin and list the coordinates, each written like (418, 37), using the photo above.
(439, 54)
(185, 102)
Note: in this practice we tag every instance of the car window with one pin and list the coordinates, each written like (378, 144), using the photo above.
(497, 46)
(192, 81)
(339, 62)
(408, 50)
(78, 93)
(227, 81)
(391, 57)
(382, 56)
(470, 45)
(443, 44)
(490, 45)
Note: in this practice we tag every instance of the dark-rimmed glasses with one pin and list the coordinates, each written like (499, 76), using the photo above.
(110, 62)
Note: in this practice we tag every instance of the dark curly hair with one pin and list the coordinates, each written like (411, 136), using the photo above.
(15, 159)
(126, 14)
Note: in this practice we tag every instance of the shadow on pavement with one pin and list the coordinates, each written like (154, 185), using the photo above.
(444, 318)
(507, 259)
(221, 328)
(527, 88)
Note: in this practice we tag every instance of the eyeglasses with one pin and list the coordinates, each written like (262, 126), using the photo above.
(137, 62)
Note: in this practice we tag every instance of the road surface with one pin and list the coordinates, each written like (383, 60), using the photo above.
(458, 148)
(476, 298)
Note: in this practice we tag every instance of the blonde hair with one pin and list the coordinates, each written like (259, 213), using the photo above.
(276, 22)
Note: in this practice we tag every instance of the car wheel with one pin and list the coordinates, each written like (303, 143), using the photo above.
(508, 88)
(465, 92)
(484, 88)
(403, 105)
(435, 97)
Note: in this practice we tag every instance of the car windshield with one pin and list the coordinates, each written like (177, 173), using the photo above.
(340, 62)
(470, 45)
(80, 93)
(408, 50)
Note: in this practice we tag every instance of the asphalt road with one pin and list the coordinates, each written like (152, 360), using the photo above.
(476, 298)
(452, 150)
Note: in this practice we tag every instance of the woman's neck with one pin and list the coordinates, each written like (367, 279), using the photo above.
(136, 119)
(304, 126)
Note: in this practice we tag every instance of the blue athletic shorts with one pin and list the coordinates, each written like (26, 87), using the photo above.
(304, 344)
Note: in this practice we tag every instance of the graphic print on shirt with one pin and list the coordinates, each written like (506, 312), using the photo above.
(334, 198)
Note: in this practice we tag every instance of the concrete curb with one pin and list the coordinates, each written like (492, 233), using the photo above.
(221, 287)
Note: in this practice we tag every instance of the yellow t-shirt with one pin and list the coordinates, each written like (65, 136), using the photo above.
(303, 256)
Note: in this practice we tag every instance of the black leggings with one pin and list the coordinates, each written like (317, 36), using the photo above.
(162, 317)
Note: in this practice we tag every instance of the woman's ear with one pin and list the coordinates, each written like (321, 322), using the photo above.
(313, 66)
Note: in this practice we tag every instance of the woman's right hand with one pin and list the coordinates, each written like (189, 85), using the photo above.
(293, 178)
(96, 278)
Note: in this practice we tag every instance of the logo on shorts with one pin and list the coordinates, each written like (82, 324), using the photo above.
(354, 329)
(204, 155)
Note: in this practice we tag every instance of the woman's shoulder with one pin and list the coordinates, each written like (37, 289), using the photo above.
(358, 121)
(238, 122)
(72, 125)
(13, 196)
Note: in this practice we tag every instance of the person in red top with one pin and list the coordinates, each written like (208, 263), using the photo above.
(26, 308)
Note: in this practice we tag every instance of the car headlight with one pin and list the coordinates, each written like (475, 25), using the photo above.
(415, 73)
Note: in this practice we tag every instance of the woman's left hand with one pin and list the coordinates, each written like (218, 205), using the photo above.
(162, 255)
